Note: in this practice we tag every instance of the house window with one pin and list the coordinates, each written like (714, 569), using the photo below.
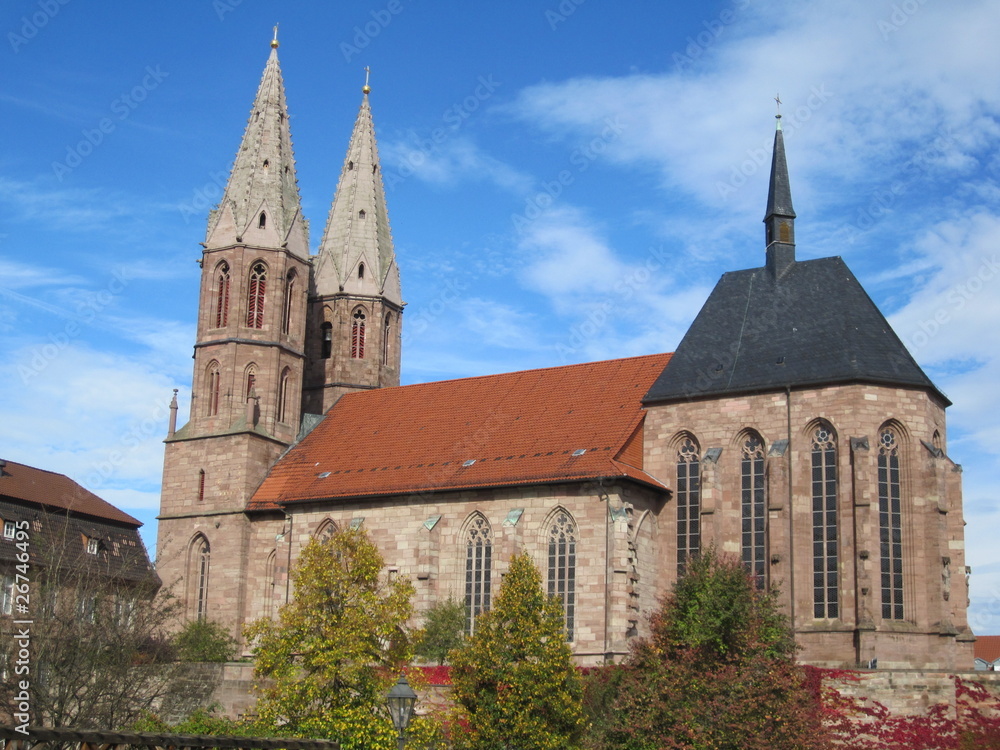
(562, 567)
(688, 504)
(824, 509)
(9, 529)
(327, 343)
(358, 335)
(222, 296)
(286, 315)
(93, 546)
(753, 509)
(214, 378)
(7, 595)
(202, 562)
(255, 296)
(478, 570)
(283, 395)
(890, 521)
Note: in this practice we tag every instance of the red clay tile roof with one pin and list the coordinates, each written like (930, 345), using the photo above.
(519, 428)
(33, 485)
(987, 648)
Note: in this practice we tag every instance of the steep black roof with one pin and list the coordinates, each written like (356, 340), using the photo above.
(809, 323)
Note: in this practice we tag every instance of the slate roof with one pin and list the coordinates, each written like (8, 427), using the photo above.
(520, 428)
(813, 324)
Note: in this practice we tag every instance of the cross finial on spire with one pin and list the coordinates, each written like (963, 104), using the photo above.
(274, 41)
(366, 89)
(777, 117)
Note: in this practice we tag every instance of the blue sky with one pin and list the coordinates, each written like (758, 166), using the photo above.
(566, 182)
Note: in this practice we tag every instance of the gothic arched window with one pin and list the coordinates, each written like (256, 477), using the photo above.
(478, 570)
(222, 296)
(824, 515)
(753, 508)
(327, 341)
(562, 567)
(201, 558)
(249, 381)
(269, 584)
(255, 296)
(283, 384)
(286, 315)
(213, 378)
(890, 522)
(386, 330)
(358, 335)
(688, 497)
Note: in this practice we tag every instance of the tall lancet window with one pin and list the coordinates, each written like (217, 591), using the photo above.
(562, 567)
(222, 296)
(478, 570)
(358, 335)
(824, 514)
(688, 497)
(890, 522)
(255, 296)
(327, 340)
(213, 379)
(283, 395)
(200, 563)
(386, 330)
(286, 315)
(753, 508)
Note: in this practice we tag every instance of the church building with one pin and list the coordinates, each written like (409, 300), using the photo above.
(791, 429)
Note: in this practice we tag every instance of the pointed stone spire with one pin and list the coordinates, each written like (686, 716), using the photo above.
(779, 217)
(261, 203)
(356, 254)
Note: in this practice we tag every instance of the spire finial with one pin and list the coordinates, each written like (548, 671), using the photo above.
(777, 117)
(366, 89)
(274, 41)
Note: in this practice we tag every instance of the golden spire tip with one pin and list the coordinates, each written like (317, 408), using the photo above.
(366, 89)
(274, 41)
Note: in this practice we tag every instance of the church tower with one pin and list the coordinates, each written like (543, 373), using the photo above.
(355, 305)
(249, 360)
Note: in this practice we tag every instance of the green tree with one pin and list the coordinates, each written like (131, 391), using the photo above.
(514, 677)
(204, 640)
(325, 665)
(444, 624)
(718, 671)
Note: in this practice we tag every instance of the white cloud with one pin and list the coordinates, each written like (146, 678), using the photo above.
(447, 163)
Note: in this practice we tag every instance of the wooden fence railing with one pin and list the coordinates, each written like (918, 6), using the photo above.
(40, 738)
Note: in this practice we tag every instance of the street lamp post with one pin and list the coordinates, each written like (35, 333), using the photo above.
(400, 701)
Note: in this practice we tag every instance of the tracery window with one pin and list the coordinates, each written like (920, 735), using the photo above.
(478, 570)
(202, 562)
(286, 315)
(255, 296)
(358, 335)
(213, 378)
(824, 516)
(562, 567)
(890, 521)
(283, 394)
(222, 296)
(753, 508)
(688, 496)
